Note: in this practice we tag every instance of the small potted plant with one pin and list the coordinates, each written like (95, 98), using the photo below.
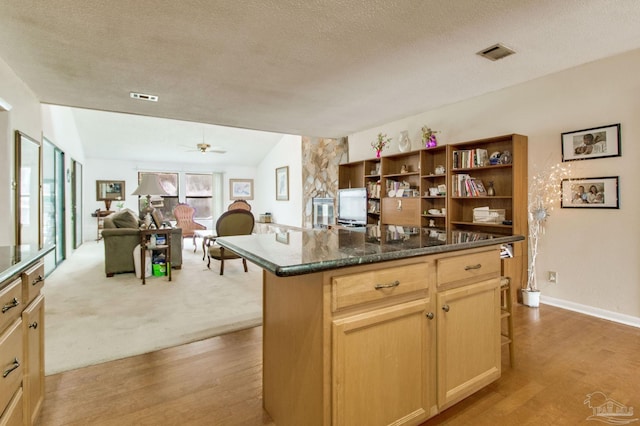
(429, 137)
(381, 143)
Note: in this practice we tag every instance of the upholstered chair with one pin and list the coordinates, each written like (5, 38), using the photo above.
(184, 214)
(232, 222)
(239, 204)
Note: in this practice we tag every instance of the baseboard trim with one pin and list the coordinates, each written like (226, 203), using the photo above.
(590, 310)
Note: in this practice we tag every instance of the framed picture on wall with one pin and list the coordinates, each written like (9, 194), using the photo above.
(591, 193)
(282, 183)
(241, 189)
(586, 144)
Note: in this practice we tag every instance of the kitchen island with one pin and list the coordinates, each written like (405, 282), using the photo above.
(376, 325)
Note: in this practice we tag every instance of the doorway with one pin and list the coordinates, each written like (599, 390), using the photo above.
(53, 207)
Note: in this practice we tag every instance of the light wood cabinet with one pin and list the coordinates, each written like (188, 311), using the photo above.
(22, 346)
(373, 345)
(381, 366)
(33, 381)
(468, 333)
(13, 414)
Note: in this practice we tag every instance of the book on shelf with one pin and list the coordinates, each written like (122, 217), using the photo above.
(463, 185)
(470, 158)
(373, 189)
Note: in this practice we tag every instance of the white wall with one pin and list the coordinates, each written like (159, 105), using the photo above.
(59, 127)
(288, 152)
(595, 252)
(24, 116)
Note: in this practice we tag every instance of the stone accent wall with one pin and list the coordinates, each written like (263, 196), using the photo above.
(320, 160)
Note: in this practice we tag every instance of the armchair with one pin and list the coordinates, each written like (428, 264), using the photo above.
(184, 217)
(232, 222)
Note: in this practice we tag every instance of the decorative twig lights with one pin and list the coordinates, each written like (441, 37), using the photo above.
(545, 189)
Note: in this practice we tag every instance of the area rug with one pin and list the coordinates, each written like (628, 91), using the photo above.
(91, 319)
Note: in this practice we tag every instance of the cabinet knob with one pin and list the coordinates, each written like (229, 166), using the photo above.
(430, 315)
(37, 280)
(33, 325)
(445, 308)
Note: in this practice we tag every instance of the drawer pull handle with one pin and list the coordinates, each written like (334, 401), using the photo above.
(396, 283)
(37, 280)
(470, 267)
(15, 302)
(430, 315)
(445, 308)
(15, 365)
(34, 325)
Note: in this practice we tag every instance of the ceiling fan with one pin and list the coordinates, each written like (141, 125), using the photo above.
(204, 148)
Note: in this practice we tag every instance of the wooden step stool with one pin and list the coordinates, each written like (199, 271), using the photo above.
(506, 305)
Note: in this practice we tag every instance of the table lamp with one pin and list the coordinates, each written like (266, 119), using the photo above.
(149, 185)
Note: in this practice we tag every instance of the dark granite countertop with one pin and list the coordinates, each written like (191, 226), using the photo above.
(307, 251)
(13, 259)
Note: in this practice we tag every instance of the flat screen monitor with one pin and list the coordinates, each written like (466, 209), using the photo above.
(352, 206)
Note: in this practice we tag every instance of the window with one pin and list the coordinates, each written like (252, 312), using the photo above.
(199, 191)
(202, 191)
(164, 203)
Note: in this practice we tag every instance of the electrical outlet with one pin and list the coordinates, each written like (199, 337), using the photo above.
(553, 277)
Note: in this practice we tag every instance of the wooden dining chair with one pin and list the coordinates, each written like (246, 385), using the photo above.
(232, 222)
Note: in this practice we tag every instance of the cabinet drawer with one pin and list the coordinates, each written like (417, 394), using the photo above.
(32, 282)
(12, 415)
(401, 211)
(10, 304)
(349, 290)
(11, 359)
(468, 268)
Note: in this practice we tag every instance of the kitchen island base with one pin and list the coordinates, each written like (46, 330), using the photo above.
(393, 342)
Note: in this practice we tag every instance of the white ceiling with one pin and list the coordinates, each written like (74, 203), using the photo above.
(308, 67)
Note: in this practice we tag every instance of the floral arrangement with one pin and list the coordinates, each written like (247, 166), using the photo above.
(381, 143)
(429, 137)
(544, 190)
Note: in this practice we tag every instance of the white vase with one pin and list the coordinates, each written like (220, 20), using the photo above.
(531, 298)
(404, 143)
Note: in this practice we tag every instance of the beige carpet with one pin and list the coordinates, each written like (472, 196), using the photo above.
(91, 319)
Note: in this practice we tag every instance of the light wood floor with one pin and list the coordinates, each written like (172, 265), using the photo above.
(561, 356)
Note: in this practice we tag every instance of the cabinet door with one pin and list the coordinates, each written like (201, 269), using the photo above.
(33, 331)
(381, 366)
(468, 340)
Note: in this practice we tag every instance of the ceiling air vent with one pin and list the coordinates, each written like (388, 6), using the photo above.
(144, 97)
(495, 52)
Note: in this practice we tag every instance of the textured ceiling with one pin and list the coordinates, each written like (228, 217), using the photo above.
(309, 67)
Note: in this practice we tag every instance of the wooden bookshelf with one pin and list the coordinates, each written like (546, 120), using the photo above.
(418, 171)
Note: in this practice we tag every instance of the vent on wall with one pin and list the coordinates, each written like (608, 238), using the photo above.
(144, 97)
(495, 52)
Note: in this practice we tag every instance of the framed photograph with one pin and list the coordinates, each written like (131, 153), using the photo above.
(282, 183)
(241, 189)
(156, 215)
(591, 193)
(598, 142)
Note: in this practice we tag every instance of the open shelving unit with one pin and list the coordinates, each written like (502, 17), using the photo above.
(427, 177)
